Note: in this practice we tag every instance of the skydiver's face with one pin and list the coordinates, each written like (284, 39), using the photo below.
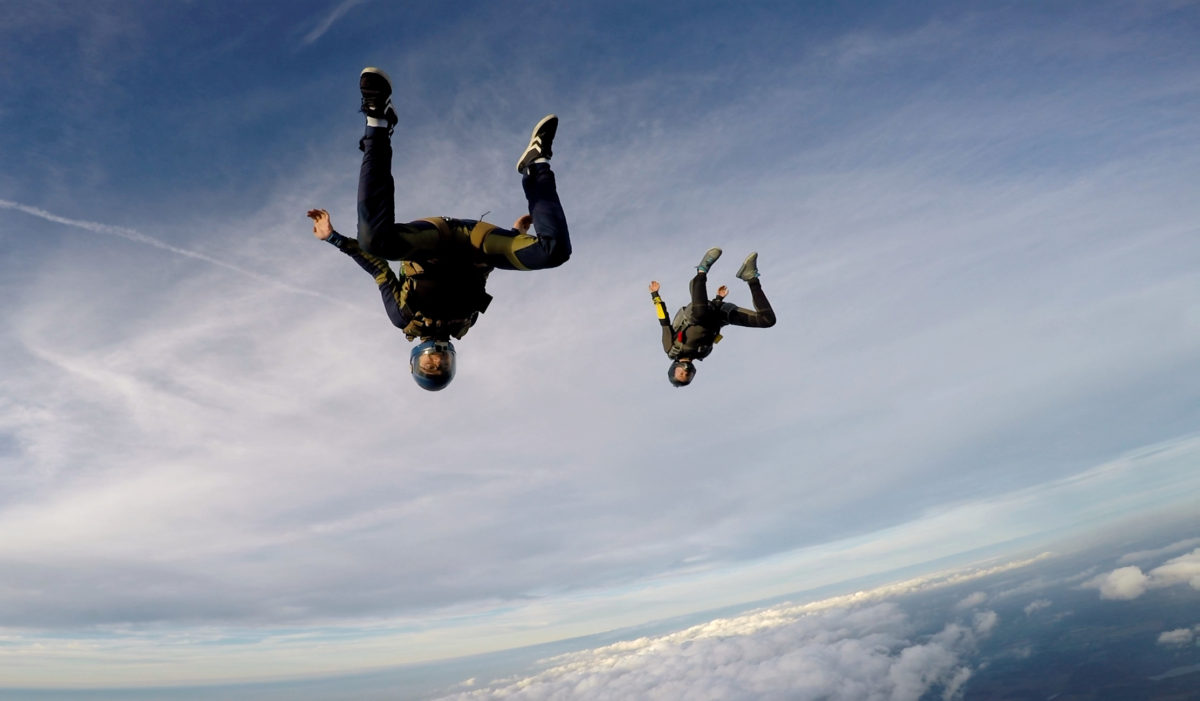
(683, 373)
(434, 363)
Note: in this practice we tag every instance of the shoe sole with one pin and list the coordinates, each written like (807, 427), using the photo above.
(379, 72)
(705, 262)
(538, 127)
(747, 266)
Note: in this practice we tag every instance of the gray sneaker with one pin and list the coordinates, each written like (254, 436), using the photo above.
(749, 269)
(710, 257)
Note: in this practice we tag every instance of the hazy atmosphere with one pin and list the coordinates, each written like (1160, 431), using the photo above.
(976, 222)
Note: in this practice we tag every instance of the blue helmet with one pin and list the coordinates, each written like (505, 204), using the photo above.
(432, 364)
(686, 365)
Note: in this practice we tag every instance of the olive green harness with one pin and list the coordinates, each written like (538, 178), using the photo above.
(445, 293)
(699, 348)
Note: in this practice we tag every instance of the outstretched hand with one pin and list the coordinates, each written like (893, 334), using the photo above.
(523, 223)
(722, 291)
(322, 226)
(654, 286)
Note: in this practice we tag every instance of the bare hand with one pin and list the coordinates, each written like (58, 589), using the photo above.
(322, 226)
(654, 286)
(722, 291)
(523, 223)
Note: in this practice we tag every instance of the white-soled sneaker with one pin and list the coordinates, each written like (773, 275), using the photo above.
(539, 143)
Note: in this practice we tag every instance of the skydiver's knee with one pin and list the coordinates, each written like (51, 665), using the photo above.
(543, 257)
(768, 319)
(367, 238)
(561, 255)
(560, 252)
(547, 262)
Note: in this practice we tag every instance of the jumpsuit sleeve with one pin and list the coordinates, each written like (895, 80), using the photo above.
(668, 334)
(389, 285)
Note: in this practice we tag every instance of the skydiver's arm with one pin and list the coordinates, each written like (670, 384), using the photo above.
(660, 308)
(389, 285)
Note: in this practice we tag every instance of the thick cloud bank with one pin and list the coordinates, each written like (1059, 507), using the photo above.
(869, 653)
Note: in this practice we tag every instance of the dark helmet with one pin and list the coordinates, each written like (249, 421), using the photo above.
(440, 365)
(686, 364)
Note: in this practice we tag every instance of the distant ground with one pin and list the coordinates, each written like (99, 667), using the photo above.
(1080, 647)
(1031, 632)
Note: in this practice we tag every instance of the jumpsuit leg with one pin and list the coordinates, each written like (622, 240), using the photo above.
(762, 316)
(378, 232)
(700, 311)
(509, 249)
(699, 288)
(549, 221)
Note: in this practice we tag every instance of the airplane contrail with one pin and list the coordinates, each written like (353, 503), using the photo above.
(139, 237)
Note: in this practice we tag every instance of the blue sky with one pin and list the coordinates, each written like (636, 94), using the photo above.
(976, 222)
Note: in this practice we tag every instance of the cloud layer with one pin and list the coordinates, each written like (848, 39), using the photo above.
(867, 653)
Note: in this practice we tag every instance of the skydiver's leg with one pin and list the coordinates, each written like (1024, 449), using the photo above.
(762, 316)
(509, 249)
(699, 309)
(699, 288)
(378, 232)
(376, 193)
(553, 246)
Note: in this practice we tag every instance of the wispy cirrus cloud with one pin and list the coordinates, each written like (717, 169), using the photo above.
(1141, 555)
(334, 15)
(141, 238)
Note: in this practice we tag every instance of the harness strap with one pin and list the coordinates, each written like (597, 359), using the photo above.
(479, 232)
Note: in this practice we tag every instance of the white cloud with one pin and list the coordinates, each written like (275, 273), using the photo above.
(985, 621)
(841, 653)
(1184, 569)
(972, 600)
(1177, 637)
(1123, 583)
(1130, 582)
(1036, 605)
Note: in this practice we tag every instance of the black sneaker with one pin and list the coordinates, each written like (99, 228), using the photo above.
(749, 269)
(539, 143)
(377, 96)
